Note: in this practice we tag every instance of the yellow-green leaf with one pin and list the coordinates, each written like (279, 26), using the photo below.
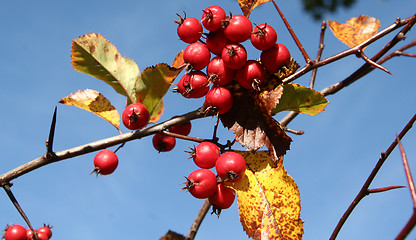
(300, 99)
(268, 199)
(94, 102)
(248, 5)
(153, 84)
(94, 55)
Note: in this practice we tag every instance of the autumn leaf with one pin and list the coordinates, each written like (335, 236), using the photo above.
(268, 199)
(356, 30)
(248, 5)
(300, 99)
(94, 102)
(94, 55)
(152, 86)
(170, 235)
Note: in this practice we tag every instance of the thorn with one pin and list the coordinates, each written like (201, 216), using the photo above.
(374, 64)
(49, 142)
(383, 189)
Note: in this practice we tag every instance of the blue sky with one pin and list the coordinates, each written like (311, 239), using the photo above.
(141, 200)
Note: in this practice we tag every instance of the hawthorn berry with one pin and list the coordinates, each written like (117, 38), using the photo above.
(15, 232)
(251, 75)
(238, 28)
(46, 229)
(194, 84)
(189, 29)
(218, 73)
(234, 56)
(135, 116)
(163, 143)
(223, 198)
(275, 57)
(230, 166)
(216, 41)
(205, 154)
(183, 129)
(42, 236)
(263, 37)
(201, 183)
(212, 18)
(105, 162)
(197, 55)
(219, 99)
(29, 234)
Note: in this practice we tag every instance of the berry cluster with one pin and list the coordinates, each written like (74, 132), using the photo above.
(224, 40)
(18, 232)
(203, 183)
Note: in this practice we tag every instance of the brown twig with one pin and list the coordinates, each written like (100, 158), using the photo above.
(180, 136)
(198, 220)
(364, 190)
(9, 193)
(319, 54)
(292, 33)
(412, 221)
(95, 146)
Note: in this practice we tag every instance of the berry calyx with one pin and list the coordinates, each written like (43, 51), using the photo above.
(163, 143)
(263, 37)
(197, 55)
(189, 29)
(135, 116)
(251, 75)
(183, 128)
(201, 183)
(194, 84)
(219, 99)
(212, 18)
(205, 154)
(275, 57)
(105, 162)
(15, 232)
(234, 56)
(223, 198)
(230, 166)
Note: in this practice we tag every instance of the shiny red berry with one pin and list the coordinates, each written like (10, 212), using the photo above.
(189, 29)
(205, 154)
(105, 162)
(194, 84)
(223, 198)
(212, 18)
(275, 57)
(238, 28)
(197, 55)
(135, 116)
(201, 183)
(15, 232)
(163, 143)
(219, 99)
(230, 166)
(218, 73)
(263, 37)
(251, 75)
(234, 56)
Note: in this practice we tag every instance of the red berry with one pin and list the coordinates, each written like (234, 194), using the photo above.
(218, 73)
(223, 198)
(234, 56)
(163, 143)
(29, 234)
(238, 28)
(15, 232)
(201, 183)
(251, 76)
(105, 162)
(205, 155)
(275, 57)
(263, 37)
(216, 41)
(212, 18)
(183, 129)
(194, 84)
(42, 236)
(197, 55)
(230, 166)
(135, 116)
(189, 29)
(219, 99)
(46, 229)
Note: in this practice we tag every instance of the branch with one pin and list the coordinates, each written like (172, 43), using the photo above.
(198, 220)
(364, 190)
(95, 146)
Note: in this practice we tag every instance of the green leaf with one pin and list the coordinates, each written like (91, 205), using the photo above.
(152, 86)
(94, 55)
(300, 99)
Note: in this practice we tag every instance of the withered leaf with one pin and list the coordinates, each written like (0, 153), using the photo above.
(355, 30)
(171, 235)
(248, 5)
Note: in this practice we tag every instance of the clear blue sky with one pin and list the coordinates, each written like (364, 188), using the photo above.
(141, 200)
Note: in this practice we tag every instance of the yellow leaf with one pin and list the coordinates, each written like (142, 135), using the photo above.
(248, 5)
(94, 102)
(356, 30)
(268, 199)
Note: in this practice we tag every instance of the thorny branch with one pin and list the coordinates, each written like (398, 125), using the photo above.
(364, 190)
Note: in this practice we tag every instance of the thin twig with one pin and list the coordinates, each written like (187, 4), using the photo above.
(292, 33)
(409, 177)
(364, 190)
(184, 137)
(319, 54)
(198, 220)
(9, 192)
